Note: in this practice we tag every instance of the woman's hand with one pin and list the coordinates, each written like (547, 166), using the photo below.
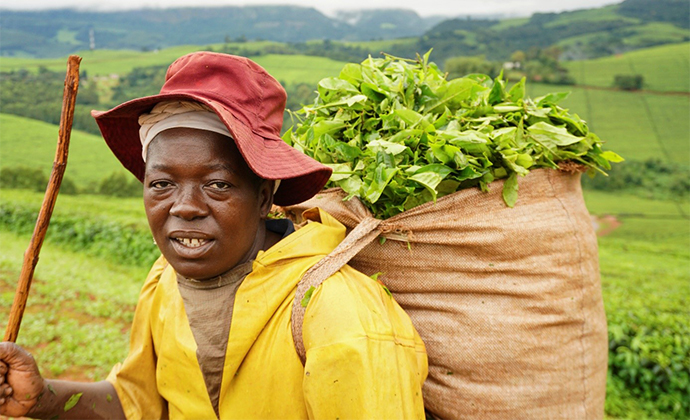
(21, 384)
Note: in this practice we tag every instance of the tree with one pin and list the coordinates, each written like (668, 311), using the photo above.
(118, 184)
(461, 66)
(628, 81)
(518, 57)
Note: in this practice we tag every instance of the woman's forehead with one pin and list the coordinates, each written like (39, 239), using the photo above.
(189, 142)
(189, 146)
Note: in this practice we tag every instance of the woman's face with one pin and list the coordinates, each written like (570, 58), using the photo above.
(204, 205)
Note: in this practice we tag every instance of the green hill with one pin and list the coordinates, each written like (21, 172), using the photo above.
(56, 32)
(638, 126)
(32, 143)
(580, 34)
(665, 68)
(286, 68)
(299, 68)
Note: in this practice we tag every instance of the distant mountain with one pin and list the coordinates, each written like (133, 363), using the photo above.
(53, 33)
(579, 34)
(386, 23)
(676, 12)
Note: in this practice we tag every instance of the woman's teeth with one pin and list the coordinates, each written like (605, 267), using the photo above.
(191, 242)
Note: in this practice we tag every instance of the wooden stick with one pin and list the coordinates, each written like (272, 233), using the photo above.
(69, 98)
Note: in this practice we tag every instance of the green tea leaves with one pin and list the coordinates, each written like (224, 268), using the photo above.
(430, 176)
(307, 297)
(375, 277)
(510, 190)
(72, 401)
(387, 147)
(517, 92)
(612, 156)
(551, 136)
(382, 176)
(398, 134)
(551, 98)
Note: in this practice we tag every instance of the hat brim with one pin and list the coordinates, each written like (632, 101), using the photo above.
(268, 157)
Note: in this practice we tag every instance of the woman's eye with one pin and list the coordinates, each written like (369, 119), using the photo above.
(160, 184)
(219, 185)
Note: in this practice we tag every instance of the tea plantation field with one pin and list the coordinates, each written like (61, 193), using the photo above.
(635, 125)
(665, 68)
(286, 68)
(83, 298)
(31, 143)
(99, 248)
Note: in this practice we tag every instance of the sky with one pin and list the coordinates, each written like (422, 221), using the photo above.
(422, 7)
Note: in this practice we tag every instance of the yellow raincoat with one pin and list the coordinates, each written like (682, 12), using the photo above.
(364, 358)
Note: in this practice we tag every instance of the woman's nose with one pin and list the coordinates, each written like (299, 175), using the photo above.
(189, 204)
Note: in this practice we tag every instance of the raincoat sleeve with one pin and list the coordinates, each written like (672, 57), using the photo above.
(364, 358)
(135, 379)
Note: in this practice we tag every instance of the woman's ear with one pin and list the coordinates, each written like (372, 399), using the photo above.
(266, 197)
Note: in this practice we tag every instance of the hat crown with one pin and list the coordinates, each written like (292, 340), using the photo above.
(255, 98)
(246, 99)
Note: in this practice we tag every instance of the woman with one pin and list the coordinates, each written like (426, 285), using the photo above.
(211, 334)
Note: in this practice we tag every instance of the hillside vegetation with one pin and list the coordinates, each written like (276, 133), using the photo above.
(286, 68)
(19, 86)
(53, 33)
(638, 126)
(580, 34)
(31, 143)
(82, 301)
(665, 68)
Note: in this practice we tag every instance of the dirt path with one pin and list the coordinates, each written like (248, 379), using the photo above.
(652, 92)
(605, 224)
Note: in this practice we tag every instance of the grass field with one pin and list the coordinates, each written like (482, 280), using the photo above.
(380, 45)
(79, 311)
(636, 125)
(656, 33)
(509, 23)
(106, 62)
(125, 211)
(286, 68)
(80, 307)
(299, 68)
(608, 13)
(635, 207)
(32, 143)
(665, 68)
(645, 267)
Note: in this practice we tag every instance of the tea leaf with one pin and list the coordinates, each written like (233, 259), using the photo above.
(510, 190)
(72, 401)
(307, 297)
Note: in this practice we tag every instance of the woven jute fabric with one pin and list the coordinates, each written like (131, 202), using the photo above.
(507, 300)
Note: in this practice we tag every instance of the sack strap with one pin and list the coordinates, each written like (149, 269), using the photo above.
(361, 236)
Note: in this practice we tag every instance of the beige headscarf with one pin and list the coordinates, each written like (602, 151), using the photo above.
(176, 114)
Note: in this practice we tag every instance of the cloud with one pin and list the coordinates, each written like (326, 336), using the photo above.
(447, 8)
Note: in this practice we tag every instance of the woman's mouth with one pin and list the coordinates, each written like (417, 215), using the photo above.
(187, 247)
(192, 242)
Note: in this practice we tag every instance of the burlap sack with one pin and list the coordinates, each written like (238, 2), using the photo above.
(508, 301)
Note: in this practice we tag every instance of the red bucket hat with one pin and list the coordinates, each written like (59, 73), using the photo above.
(250, 103)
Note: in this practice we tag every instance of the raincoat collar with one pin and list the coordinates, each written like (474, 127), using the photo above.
(319, 236)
